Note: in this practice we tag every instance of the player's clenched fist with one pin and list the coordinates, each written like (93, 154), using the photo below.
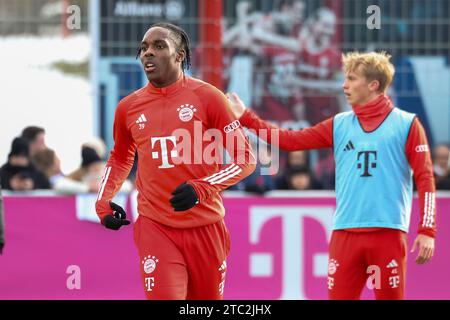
(117, 219)
(184, 197)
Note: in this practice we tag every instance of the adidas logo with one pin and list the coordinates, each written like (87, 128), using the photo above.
(141, 121)
(349, 146)
(392, 264)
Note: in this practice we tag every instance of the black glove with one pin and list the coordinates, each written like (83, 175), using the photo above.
(184, 197)
(1, 248)
(117, 219)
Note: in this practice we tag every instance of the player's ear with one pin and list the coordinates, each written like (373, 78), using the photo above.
(374, 85)
(181, 54)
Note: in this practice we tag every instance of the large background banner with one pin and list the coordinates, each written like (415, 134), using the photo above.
(279, 251)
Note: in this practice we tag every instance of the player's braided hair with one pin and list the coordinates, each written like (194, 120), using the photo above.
(183, 41)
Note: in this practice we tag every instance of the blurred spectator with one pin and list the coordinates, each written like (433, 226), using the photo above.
(22, 181)
(301, 178)
(18, 173)
(98, 145)
(325, 170)
(91, 170)
(2, 223)
(294, 159)
(261, 181)
(35, 137)
(48, 163)
(88, 177)
(298, 158)
(441, 160)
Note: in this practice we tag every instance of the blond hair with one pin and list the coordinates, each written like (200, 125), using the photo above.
(374, 66)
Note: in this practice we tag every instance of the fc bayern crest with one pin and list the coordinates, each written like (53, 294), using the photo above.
(149, 263)
(186, 112)
(332, 266)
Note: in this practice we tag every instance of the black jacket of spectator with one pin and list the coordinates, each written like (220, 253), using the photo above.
(7, 171)
(24, 168)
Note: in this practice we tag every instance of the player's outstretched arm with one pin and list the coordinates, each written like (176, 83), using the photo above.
(316, 137)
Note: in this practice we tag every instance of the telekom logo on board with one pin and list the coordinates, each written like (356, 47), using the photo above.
(261, 264)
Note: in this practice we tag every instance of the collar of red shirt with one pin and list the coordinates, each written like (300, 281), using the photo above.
(170, 89)
(372, 114)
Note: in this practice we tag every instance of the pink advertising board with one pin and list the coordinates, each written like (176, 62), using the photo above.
(278, 251)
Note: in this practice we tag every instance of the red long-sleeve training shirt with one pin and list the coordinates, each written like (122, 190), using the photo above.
(370, 117)
(179, 132)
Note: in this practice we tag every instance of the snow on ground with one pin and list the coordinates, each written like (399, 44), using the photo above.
(32, 93)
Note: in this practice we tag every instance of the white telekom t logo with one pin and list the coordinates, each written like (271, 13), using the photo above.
(164, 157)
(293, 284)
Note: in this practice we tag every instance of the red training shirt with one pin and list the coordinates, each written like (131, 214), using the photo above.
(179, 133)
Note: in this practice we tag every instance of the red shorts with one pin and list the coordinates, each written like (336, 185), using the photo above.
(178, 264)
(376, 259)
